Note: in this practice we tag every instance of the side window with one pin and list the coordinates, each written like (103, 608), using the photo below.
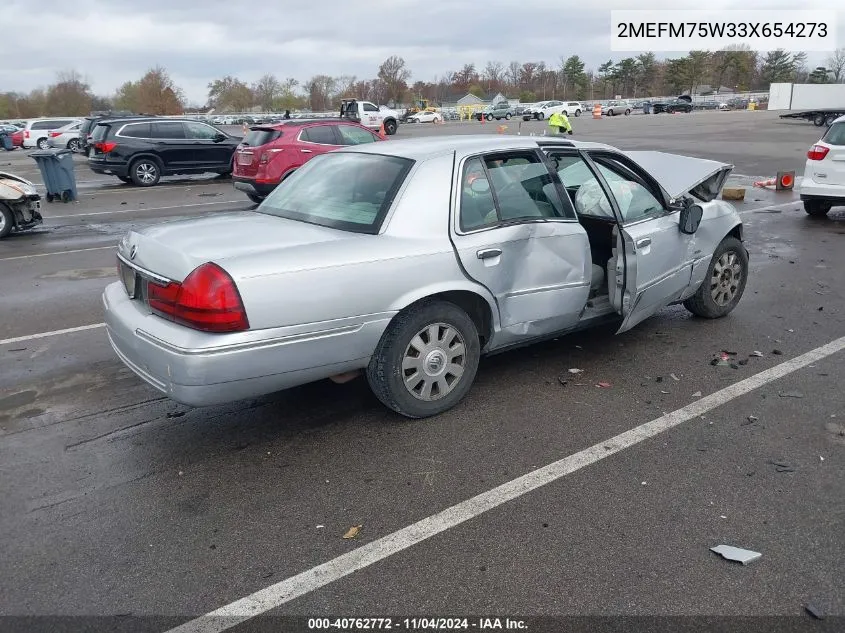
(512, 187)
(369, 107)
(633, 196)
(350, 135)
(168, 130)
(200, 131)
(478, 209)
(322, 134)
(583, 188)
(136, 130)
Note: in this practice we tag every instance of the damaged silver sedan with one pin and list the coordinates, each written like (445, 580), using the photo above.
(408, 260)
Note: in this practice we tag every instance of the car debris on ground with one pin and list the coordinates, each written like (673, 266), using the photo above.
(353, 531)
(729, 552)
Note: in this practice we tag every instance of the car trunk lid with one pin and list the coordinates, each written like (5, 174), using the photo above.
(680, 175)
(248, 155)
(173, 249)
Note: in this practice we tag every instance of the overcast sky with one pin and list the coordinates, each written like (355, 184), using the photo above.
(111, 41)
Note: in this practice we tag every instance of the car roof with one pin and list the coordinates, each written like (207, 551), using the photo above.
(298, 122)
(424, 148)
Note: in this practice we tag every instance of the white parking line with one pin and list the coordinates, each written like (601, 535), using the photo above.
(70, 330)
(76, 250)
(175, 206)
(275, 595)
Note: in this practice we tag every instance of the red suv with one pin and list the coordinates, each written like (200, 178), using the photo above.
(270, 153)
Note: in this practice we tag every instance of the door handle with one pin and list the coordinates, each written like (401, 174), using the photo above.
(487, 253)
(646, 241)
(306, 151)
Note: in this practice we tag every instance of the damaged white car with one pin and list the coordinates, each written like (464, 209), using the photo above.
(20, 204)
(409, 260)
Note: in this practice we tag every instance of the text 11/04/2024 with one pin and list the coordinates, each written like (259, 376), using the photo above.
(681, 31)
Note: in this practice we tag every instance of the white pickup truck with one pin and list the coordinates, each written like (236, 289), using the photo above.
(370, 115)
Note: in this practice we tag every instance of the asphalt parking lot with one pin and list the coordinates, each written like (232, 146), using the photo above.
(119, 503)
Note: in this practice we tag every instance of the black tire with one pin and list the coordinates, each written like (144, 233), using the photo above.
(628, 112)
(819, 120)
(73, 145)
(489, 117)
(577, 113)
(42, 143)
(385, 373)
(145, 172)
(540, 116)
(256, 199)
(702, 302)
(390, 127)
(817, 208)
(8, 221)
(65, 196)
(610, 113)
(50, 197)
(508, 116)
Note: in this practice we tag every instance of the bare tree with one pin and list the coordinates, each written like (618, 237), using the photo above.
(836, 64)
(70, 95)
(266, 90)
(493, 74)
(513, 73)
(395, 76)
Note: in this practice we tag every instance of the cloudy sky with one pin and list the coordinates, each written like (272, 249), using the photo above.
(111, 41)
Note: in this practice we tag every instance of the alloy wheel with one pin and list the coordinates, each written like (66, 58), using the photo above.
(434, 362)
(727, 276)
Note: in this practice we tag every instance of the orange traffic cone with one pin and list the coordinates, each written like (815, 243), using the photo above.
(481, 117)
(597, 111)
(381, 131)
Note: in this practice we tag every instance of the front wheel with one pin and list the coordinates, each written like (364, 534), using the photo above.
(627, 112)
(390, 127)
(73, 145)
(540, 116)
(816, 208)
(724, 284)
(426, 361)
(7, 220)
(610, 113)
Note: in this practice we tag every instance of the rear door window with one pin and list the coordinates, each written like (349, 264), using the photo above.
(321, 134)
(200, 131)
(260, 136)
(137, 130)
(835, 134)
(168, 130)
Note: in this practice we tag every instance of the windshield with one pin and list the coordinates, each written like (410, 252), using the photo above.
(835, 134)
(345, 190)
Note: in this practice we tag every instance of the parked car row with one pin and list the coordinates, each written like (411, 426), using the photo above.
(545, 109)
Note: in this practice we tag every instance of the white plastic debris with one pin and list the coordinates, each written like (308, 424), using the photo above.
(697, 394)
(729, 552)
(757, 354)
(575, 370)
(674, 377)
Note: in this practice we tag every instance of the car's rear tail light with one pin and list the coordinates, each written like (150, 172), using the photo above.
(55, 134)
(817, 152)
(105, 148)
(206, 300)
(26, 133)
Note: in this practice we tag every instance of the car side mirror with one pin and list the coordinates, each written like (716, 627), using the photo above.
(219, 137)
(691, 219)
(480, 185)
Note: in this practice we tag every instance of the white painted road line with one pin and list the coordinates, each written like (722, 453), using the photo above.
(76, 250)
(70, 330)
(175, 206)
(275, 595)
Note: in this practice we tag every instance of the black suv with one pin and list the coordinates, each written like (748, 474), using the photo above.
(143, 150)
(89, 122)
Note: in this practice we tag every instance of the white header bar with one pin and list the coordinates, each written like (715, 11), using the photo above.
(708, 30)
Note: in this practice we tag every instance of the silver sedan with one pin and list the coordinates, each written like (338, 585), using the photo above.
(406, 261)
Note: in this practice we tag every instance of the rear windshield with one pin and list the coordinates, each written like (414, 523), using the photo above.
(100, 132)
(261, 136)
(347, 191)
(86, 126)
(835, 134)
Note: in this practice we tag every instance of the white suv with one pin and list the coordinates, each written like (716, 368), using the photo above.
(573, 108)
(543, 110)
(823, 185)
(37, 131)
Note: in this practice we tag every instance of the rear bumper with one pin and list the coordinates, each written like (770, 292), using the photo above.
(250, 186)
(812, 190)
(201, 369)
(114, 169)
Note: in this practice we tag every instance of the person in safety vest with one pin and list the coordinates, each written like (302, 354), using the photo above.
(559, 123)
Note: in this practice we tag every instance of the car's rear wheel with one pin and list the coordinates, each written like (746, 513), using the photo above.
(390, 127)
(73, 144)
(819, 120)
(817, 208)
(145, 172)
(540, 116)
(627, 112)
(426, 361)
(42, 143)
(508, 116)
(577, 113)
(724, 284)
(7, 221)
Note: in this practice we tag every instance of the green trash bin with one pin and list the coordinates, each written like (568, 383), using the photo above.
(56, 167)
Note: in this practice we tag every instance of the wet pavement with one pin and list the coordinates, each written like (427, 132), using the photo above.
(117, 502)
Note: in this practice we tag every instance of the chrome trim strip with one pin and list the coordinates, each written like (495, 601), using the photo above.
(529, 291)
(144, 271)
